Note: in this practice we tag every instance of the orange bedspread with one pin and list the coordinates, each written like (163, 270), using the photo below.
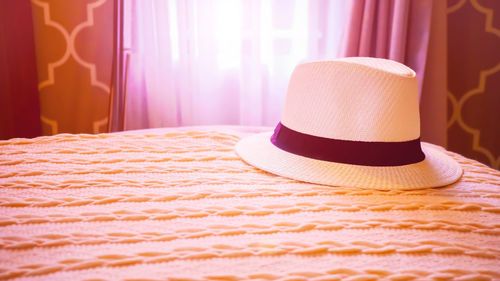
(179, 203)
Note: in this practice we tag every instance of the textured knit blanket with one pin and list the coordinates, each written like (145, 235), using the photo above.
(181, 205)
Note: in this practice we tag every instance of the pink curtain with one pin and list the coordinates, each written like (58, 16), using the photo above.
(413, 33)
(220, 61)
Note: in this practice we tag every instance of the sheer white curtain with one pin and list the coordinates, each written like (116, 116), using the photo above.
(220, 61)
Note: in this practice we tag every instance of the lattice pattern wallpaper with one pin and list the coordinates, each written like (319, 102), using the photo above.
(474, 79)
(74, 41)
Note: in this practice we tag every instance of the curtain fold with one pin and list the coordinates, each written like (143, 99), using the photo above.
(20, 105)
(410, 32)
(220, 61)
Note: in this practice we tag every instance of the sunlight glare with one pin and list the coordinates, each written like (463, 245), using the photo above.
(174, 36)
(228, 33)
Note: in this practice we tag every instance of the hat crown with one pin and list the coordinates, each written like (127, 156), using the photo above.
(358, 99)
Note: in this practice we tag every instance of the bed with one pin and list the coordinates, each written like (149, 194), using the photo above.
(179, 204)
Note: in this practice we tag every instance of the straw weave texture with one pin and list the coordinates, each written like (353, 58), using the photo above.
(360, 99)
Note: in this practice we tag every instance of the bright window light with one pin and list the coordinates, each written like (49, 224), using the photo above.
(228, 33)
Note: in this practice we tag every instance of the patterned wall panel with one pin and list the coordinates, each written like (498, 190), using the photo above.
(474, 79)
(74, 45)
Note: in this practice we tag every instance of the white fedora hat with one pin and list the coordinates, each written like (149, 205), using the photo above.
(351, 122)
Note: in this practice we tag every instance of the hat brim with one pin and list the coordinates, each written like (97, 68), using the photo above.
(438, 169)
